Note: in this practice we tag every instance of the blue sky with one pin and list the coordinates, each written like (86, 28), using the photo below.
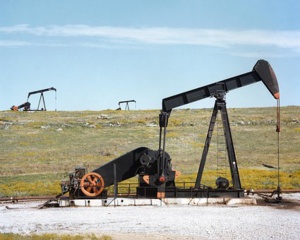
(97, 53)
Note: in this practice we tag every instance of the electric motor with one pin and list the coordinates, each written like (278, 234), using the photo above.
(222, 183)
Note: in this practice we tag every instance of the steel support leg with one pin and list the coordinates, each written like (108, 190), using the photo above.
(207, 144)
(230, 148)
(220, 105)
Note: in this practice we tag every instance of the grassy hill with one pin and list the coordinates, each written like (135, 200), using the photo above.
(39, 149)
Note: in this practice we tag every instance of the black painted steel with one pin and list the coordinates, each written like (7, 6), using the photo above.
(127, 104)
(41, 96)
(262, 71)
(141, 161)
(220, 105)
(154, 168)
(41, 91)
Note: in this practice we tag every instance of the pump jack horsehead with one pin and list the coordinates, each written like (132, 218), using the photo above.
(154, 168)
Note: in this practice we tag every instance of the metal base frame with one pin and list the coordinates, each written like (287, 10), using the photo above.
(173, 192)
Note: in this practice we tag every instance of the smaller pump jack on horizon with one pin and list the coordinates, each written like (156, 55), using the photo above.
(27, 104)
(127, 104)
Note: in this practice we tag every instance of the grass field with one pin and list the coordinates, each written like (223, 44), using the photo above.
(39, 149)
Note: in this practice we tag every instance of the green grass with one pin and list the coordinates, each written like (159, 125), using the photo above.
(39, 149)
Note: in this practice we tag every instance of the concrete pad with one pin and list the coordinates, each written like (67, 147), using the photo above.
(241, 201)
(155, 202)
(133, 202)
(64, 203)
(179, 201)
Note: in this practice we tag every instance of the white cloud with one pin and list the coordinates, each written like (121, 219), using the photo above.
(155, 35)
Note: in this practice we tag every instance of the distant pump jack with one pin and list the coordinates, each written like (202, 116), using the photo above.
(127, 104)
(27, 104)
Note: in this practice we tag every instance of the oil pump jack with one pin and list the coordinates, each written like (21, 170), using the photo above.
(127, 104)
(27, 104)
(41, 97)
(154, 168)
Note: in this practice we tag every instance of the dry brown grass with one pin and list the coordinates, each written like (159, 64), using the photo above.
(41, 148)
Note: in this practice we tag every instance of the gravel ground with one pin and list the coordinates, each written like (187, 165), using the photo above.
(271, 221)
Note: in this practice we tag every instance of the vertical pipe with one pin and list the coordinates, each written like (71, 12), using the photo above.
(160, 139)
(115, 182)
(55, 100)
(278, 147)
(164, 143)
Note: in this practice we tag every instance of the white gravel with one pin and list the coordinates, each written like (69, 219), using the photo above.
(276, 221)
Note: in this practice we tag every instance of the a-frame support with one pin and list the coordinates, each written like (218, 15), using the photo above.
(42, 98)
(220, 105)
(127, 104)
